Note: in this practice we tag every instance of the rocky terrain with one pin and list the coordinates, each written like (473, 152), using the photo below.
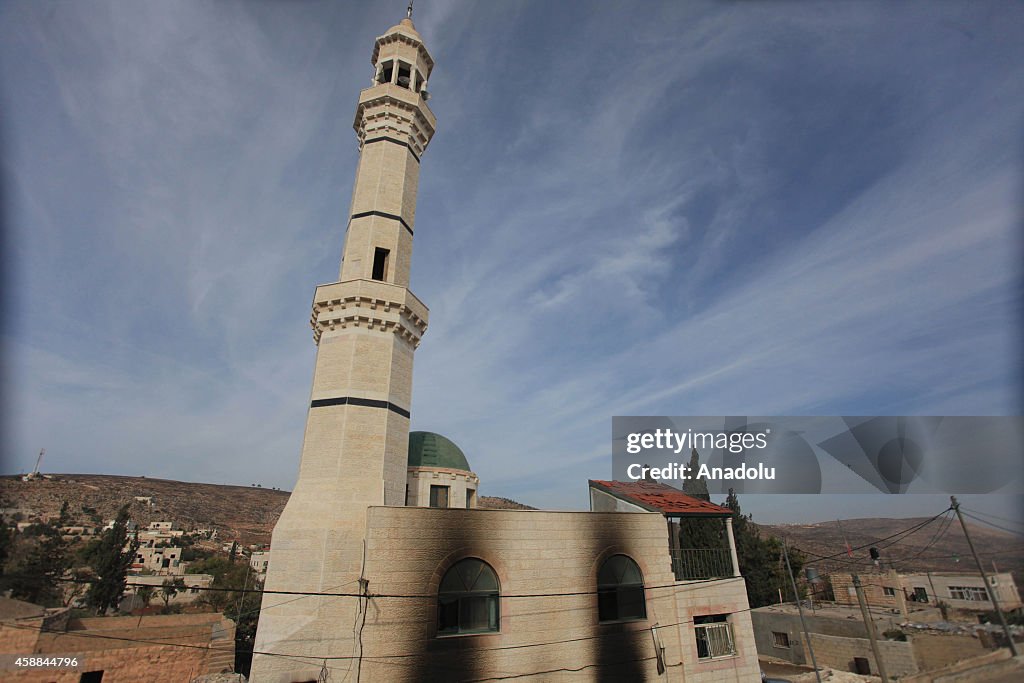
(246, 513)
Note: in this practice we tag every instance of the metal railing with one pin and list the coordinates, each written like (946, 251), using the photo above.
(701, 563)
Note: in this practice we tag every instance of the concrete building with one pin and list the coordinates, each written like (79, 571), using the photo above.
(193, 590)
(840, 638)
(959, 590)
(259, 560)
(165, 560)
(406, 578)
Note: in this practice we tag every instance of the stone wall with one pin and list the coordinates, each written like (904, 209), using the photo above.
(838, 652)
(128, 649)
(935, 650)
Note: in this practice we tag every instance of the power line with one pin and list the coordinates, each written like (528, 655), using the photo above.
(905, 532)
(993, 524)
(989, 514)
(406, 596)
(683, 587)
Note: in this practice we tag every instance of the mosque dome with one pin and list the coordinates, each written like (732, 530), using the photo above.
(427, 449)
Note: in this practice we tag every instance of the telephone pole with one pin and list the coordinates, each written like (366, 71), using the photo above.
(984, 579)
(800, 610)
(870, 624)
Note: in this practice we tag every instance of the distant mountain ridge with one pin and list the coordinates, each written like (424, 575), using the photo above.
(248, 513)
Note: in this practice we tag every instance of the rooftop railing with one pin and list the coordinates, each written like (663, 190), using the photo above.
(701, 563)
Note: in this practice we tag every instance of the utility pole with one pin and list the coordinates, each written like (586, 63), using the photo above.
(800, 610)
(870, 624)
(984, 579)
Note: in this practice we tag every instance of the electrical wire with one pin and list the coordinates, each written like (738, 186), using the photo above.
(877, 542)
(993, 524)
(989, 514)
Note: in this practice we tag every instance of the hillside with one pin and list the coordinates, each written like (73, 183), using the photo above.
(932, 548)
(248, 514)
(243, 512)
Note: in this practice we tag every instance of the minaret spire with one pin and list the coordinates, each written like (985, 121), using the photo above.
(408, 10)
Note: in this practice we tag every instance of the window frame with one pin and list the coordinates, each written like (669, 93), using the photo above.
(720, 625)
(493, 596)
(616, 591)
(776, 640)
(447, 496)
(968, 593)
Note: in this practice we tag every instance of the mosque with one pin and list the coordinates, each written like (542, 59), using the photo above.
(384, 567)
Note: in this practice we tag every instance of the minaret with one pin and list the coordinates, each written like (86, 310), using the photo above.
(366, 326)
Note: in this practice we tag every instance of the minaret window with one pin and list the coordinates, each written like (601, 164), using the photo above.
(380, 264)
(419, 80)
(386, 72)
(404, 75)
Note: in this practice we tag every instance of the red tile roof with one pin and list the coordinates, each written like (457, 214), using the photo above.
(660, 498)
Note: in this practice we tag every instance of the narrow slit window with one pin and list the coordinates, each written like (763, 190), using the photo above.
(386, 71)
(404, 75)
(380, 264)
(419, 81)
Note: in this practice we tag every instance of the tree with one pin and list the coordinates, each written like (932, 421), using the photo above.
(6, 544)
(81, 577)
(169, 589)
(110, 561)
(761, 559)
(695, 532)
(145, 595)
(37, 576)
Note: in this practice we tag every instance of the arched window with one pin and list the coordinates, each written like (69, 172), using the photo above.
(620, 590)
(467, 600)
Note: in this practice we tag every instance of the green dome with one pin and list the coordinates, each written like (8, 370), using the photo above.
(427, 449)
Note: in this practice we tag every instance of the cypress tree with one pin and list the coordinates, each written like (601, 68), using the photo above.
(761, 561)
(694, 532)
(111, 560)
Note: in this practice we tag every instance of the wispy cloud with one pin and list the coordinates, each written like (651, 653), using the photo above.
(753, 208)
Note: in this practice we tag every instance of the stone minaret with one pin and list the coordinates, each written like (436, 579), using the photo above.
(366, 326)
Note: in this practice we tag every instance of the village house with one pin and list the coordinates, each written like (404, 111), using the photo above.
(958, 590)
(259, 560)
(166, 560)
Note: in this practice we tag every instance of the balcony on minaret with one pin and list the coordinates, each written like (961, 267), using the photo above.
(395, 104)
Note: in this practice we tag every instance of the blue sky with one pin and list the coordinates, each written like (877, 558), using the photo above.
(628, 208)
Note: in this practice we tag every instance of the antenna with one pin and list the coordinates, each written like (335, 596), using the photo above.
(408, 10)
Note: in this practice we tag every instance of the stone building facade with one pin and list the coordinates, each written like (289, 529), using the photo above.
(384, 568)
(958, 590)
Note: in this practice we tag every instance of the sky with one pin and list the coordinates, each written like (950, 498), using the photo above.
(726, 208)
